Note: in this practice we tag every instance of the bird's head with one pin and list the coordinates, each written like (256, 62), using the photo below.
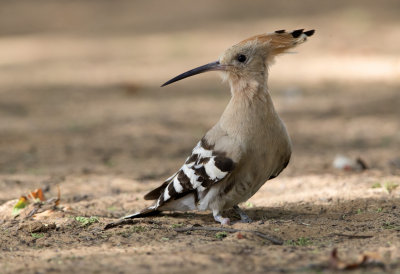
(249, 59)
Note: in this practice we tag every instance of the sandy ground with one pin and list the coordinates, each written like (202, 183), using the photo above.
(81, 110)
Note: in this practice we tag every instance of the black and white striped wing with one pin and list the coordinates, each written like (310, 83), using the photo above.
(204, 168)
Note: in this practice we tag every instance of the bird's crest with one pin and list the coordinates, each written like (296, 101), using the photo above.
(280, 41)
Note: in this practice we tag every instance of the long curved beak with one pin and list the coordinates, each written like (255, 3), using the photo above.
(209, 67)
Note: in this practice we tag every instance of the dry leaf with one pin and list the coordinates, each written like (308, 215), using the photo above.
(43, 215)
(35, 205)
(22, 203)
(57, 202)
(239, 236)
(36, 195)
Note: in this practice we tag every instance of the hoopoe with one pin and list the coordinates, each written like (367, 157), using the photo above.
(248, 146)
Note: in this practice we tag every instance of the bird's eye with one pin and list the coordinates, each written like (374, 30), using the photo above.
(241, 58)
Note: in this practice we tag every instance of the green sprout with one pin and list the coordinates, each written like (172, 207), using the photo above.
(37, 235)
(221, 235)
(85, 221)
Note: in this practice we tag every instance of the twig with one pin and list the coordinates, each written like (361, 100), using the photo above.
(353, 236)
(32, 212)
(273, 240)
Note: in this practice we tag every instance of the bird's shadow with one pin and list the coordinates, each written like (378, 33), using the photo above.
(298, 212)
(256, 214)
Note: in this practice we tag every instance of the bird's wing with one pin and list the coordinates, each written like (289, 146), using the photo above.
(204, 168)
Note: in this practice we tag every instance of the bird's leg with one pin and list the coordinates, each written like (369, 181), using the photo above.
(243, 216)
(220, 219)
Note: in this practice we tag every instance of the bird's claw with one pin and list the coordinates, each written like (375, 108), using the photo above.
(246, 220)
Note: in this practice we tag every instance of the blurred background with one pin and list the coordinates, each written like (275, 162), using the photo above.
(79, 82)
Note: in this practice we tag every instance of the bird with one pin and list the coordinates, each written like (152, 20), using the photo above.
(248, 146)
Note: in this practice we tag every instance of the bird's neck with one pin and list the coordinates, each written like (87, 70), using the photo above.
(250, 109)
(248, 90)
(251, 97)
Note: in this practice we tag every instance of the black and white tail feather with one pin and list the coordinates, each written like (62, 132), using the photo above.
(188, 186)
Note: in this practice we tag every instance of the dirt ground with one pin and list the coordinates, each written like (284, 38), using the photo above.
(81, 111)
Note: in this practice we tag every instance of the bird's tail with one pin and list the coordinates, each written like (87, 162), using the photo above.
(149, 211)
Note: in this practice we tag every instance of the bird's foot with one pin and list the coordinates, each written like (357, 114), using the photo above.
(222, 220)
(243, 216)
